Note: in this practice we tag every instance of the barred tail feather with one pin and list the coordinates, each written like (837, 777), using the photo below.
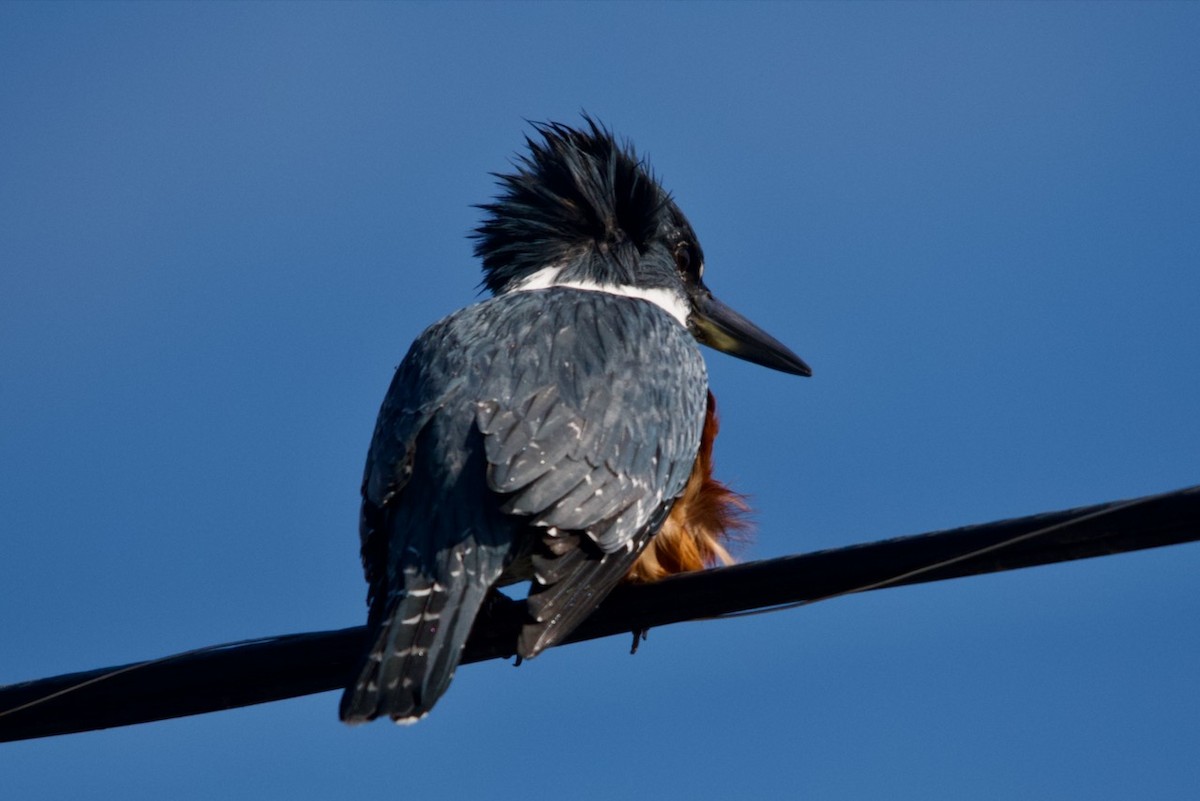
(416, 648)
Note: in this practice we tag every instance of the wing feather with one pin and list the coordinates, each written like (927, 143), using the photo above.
(551, 428)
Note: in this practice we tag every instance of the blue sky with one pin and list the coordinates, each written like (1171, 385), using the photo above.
(221, 225)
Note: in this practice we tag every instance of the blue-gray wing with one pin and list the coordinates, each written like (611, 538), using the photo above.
(591, 430)
(546, 431)
(592, 422)
(434, 540)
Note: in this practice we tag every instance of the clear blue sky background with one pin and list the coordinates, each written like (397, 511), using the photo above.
(221, 225)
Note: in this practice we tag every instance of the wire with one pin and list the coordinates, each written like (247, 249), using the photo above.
(900, 577)
(132, 667)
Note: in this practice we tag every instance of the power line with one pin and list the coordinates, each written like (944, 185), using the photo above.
(274, 668)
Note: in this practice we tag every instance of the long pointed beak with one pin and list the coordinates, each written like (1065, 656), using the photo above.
(714, 324)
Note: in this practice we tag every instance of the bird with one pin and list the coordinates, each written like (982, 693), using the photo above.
(558, 432)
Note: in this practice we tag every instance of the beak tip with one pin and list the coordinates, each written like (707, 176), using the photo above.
(798, 367)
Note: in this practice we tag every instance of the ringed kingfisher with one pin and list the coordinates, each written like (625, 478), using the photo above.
(559, 432)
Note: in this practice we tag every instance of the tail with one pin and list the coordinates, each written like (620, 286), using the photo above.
(415, 647)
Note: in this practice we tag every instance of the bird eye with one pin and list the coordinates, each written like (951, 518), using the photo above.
(683, 257)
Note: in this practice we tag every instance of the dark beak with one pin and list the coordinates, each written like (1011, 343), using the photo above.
(714, 324)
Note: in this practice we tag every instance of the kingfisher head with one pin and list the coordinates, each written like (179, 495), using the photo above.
(582, 210)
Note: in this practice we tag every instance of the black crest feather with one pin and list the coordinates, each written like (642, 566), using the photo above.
(577, 198)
